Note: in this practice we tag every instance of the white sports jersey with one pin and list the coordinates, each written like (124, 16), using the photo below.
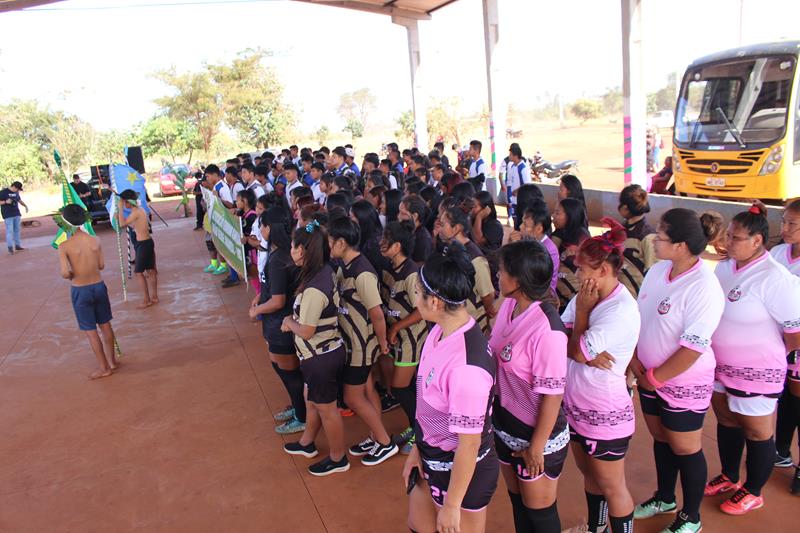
(684, 311)
(782, 253)
(762, 302)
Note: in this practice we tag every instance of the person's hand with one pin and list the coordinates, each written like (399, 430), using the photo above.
(483, 213)
(26, 208)
(514, 236)
(587, 297)
(384, 346)
(244, 240)
(412, 461)
(644, 383)
(448, 519)
(604, 361)
(253, 313)
(533, 459)
(285, 324)
(391, 335)
(636, 367)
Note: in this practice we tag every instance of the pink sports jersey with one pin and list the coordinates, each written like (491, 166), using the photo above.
(762, 302)
(783, 255)
(683, 311)
(455, 379)
(552, 249)
(596, 401)
(531, 353)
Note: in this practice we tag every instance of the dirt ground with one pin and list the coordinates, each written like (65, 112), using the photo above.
(181, 438)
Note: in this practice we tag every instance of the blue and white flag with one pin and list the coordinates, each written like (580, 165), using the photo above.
(123, 178)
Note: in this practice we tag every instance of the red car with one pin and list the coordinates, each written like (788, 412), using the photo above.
(166, 180)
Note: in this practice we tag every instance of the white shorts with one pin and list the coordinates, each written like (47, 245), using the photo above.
(748, 406)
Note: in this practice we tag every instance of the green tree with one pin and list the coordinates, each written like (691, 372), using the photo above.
(664, 98)
(72, 137)
(443, 119)
(354, 128)
(110, 145)
(24, 121)
(20, 159)
(612, 101)
(163, 135)
(586, 109)
(322, 134)
(356, 106)
(405, 123)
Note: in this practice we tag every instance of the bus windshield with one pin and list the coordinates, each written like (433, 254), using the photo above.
(737, 103)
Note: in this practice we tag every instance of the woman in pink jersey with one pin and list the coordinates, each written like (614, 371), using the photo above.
(680, 302)
(760, 325)
(604, 322)
(529, 342)
(788, 254)
(453, 467)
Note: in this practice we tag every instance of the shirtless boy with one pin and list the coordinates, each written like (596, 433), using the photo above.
(81, 261)
(145, 266)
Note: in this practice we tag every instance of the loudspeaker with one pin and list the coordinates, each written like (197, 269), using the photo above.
(136, 159)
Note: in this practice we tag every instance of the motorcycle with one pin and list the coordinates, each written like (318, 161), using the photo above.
(545, 171)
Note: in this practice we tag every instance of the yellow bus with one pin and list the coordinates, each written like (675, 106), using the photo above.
(737, 124)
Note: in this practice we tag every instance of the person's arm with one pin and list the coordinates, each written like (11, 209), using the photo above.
(23, 204)
(533, 455)
(484, 286)
(678, 363)
(66, 270)
(367, 288)
(449, 516)
(379, 325)
(301, 330)
(477, 227)
(413, 318)
(275, 303)
(312, 302)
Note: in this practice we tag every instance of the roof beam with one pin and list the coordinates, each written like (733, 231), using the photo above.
(378, 9)
(18, 5)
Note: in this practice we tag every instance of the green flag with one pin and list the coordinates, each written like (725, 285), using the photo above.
(69, 196)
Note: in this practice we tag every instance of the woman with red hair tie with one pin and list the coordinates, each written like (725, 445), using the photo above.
(603, 324)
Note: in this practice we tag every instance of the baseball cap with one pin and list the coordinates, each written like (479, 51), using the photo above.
(17, 184)
(349, 152)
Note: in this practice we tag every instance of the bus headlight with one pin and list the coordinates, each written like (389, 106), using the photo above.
(676, 161)
(773, 162)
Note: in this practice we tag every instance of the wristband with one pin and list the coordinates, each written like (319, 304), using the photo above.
(651, 377)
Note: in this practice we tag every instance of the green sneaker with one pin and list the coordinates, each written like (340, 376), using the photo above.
(209, 269)
(286, 414)
(408, 446)
(404, 437)
(220, 270)
(683, 525)
(653, 507)
(292, 425)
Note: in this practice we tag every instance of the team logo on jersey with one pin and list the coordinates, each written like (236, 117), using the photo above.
(429, 378)
(734, 294)
(664, 306)
(505, 355)
(392, 292)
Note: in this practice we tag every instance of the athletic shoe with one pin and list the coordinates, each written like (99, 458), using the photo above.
(682, 524)
(285, 415)
(362, 448)
(292, 425)
(11, 251)
(720, 484)
(380, 453)
(653, 507)
(405, 436)
(328, 466)
(389, 402)
(742, 502)
(18, 248)
(408, 446)
(209, 269)
(220, 270)
(783, 462)
(295, 448)
(228, 283)
(795, 487)
(199, 228)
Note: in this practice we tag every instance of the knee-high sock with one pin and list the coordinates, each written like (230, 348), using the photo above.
(759, 462)
(666, 471)
(544, 520)
(598, 512)
(622, 524)
(293, 381)
(521, 523)
(730, 442)
(694, 471)
(407, 396)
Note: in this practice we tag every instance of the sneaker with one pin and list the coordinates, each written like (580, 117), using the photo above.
(362, 448)
(199, 228)
(284, 415)
(682, 524)
(795, 487)
(19, 248)
(783, 462)
(292, 425)
(405, 436)
(11, 251)
(380, 453)
(720, 484)
(742, 502)
(295, 448)
(209, 269)
(228, 283)
(389, 402)
(653, 507)
(328, 466)
(408, 446)
(220, 270)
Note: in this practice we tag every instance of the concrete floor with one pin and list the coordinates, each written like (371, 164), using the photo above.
(182, 439)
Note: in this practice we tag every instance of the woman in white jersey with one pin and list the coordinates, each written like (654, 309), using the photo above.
(788, 254)
(760, 325)
(603, 320)
(681, 303)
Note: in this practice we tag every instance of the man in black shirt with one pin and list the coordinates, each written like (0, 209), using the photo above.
(9, 209)
(82, 189)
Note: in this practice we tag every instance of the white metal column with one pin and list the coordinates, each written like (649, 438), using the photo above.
(498, 108)
(633, 93)
(418, 96)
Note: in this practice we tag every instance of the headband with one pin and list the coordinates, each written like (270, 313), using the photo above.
(436, 293)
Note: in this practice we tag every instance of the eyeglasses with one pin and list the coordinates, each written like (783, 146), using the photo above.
(737, 238)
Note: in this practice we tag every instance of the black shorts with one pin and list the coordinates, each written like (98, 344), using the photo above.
(210, 245)
(793, 374)
(320, 373)
(603, 450)
(553, 462)
(481, 487)
(356, 375)
(280, 342)
(145, 256)
(673, 418)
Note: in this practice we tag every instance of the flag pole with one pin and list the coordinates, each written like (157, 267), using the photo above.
(119, 252)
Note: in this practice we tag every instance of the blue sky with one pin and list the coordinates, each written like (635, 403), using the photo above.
(97, 63)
